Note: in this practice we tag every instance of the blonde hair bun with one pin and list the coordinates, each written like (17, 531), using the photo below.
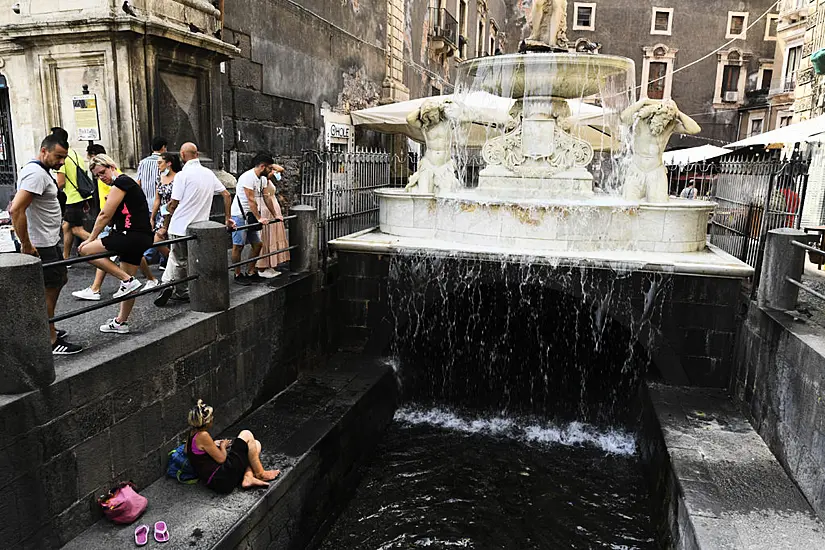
(200, 415)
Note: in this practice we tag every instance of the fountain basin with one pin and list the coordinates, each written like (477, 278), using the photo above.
(566, 75)
(540, 224)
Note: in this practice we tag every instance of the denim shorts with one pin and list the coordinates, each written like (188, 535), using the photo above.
(244, 236)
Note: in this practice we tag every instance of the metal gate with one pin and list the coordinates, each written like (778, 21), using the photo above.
(340, 185)
(755, 196)
(8, 169)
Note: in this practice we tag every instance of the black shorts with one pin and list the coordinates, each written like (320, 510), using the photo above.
(129, 245)
(75, 213)
(53, 277)
(230, 474)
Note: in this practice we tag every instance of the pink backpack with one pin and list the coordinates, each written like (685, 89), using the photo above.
(123, 504)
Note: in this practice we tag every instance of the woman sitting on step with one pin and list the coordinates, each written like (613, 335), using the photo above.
(224, 464)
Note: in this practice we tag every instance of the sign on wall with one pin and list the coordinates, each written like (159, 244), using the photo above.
(85, 117)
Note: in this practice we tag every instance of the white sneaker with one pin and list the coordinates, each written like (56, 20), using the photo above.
(150, 284)
(86, 294)
(269, 273)
(113, 326)
(127, 287)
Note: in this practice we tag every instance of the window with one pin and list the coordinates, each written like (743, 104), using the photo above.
(480, 39)
(730, 78)
(656, 80)
(462, 29)
(493, 36)
(584, 16)
(737, 24)
(662, 21)
(756, 126)
(657, 71)
(767, 76)
(770, 26)
(785, 121)
(792, 56)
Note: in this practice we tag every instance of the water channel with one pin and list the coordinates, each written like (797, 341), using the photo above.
(442, 479)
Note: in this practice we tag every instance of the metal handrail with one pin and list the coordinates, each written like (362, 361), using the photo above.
(130, 296)
(260, 225)
(807, 247)
(107, 254)
(805, 287)
(262, 256)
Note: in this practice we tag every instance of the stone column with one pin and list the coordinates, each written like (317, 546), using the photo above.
(303, 232)
(208, 260)
(26, 361)
(781, 260)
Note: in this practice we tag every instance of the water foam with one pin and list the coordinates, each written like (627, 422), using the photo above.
(617, 442)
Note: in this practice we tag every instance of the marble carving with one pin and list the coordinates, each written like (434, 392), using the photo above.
(652, 122)
(436, 171)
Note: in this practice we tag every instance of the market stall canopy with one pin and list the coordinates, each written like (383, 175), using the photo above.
(693, 154)
(487, 110)
(795, 133)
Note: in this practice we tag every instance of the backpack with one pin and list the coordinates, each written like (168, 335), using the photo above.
(179, 467)
(84, 183)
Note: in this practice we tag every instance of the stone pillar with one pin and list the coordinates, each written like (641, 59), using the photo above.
(779, 261)
(208, 260)
(304, 232)
(26, 361)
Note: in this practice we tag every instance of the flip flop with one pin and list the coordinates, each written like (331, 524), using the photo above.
(141, 535)
(161, 532)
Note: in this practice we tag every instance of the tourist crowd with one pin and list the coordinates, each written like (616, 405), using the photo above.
(55, 195)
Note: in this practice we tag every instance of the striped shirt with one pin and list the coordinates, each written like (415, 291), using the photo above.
(147, 175)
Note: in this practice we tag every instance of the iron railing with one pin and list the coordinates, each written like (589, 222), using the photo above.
(753, 197)
(341, 185)
(444, 25)
(702, 174)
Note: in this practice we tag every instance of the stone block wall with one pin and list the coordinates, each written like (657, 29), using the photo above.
(115, 413)
(689, 331)
(778, 379)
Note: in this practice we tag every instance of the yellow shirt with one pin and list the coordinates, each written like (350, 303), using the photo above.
(69, 169)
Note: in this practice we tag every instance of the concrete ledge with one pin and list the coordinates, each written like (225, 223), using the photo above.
(720, 485)
(318, 432)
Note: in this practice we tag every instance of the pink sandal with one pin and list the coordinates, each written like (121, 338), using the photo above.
(161, 532)
(141, 535)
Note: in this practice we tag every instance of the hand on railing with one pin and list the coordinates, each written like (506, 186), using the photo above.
(230, 224)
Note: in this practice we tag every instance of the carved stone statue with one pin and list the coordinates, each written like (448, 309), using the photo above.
(652, 122)
(548, 25)
(435, 169)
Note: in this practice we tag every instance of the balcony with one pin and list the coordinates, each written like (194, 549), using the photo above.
(443, 31)
(793, 10)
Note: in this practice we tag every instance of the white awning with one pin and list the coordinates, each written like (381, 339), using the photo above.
(795, 133)
(693, 154)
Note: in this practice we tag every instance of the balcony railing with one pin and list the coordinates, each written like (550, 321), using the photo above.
(444, 26)
(793, 10)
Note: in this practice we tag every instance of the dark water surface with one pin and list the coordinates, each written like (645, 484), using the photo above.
(443, 480)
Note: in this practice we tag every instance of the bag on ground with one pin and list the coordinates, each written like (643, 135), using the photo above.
(123, 504)
(179, 467)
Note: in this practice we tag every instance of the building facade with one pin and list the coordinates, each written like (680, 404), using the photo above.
(110, 72)
(669, 42)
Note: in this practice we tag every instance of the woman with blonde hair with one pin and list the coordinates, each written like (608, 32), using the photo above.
(126, 210)
(224, 464)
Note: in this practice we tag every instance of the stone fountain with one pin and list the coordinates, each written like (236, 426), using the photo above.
(536, 195)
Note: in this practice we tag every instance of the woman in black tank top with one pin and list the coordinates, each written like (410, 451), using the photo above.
(131, 236)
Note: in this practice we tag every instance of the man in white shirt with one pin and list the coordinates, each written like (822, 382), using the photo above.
(245, 211)
(191, 202)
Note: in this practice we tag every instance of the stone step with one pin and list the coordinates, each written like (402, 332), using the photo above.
(720, 486)
(317, 432)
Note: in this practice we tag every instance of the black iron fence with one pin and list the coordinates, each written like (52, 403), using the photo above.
(753, 197)
(341, 185)
(703, 175)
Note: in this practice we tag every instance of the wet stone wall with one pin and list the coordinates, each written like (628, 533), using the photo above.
(115, 413)
(572, 342)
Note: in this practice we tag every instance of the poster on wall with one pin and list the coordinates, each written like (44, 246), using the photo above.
(85, 117)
